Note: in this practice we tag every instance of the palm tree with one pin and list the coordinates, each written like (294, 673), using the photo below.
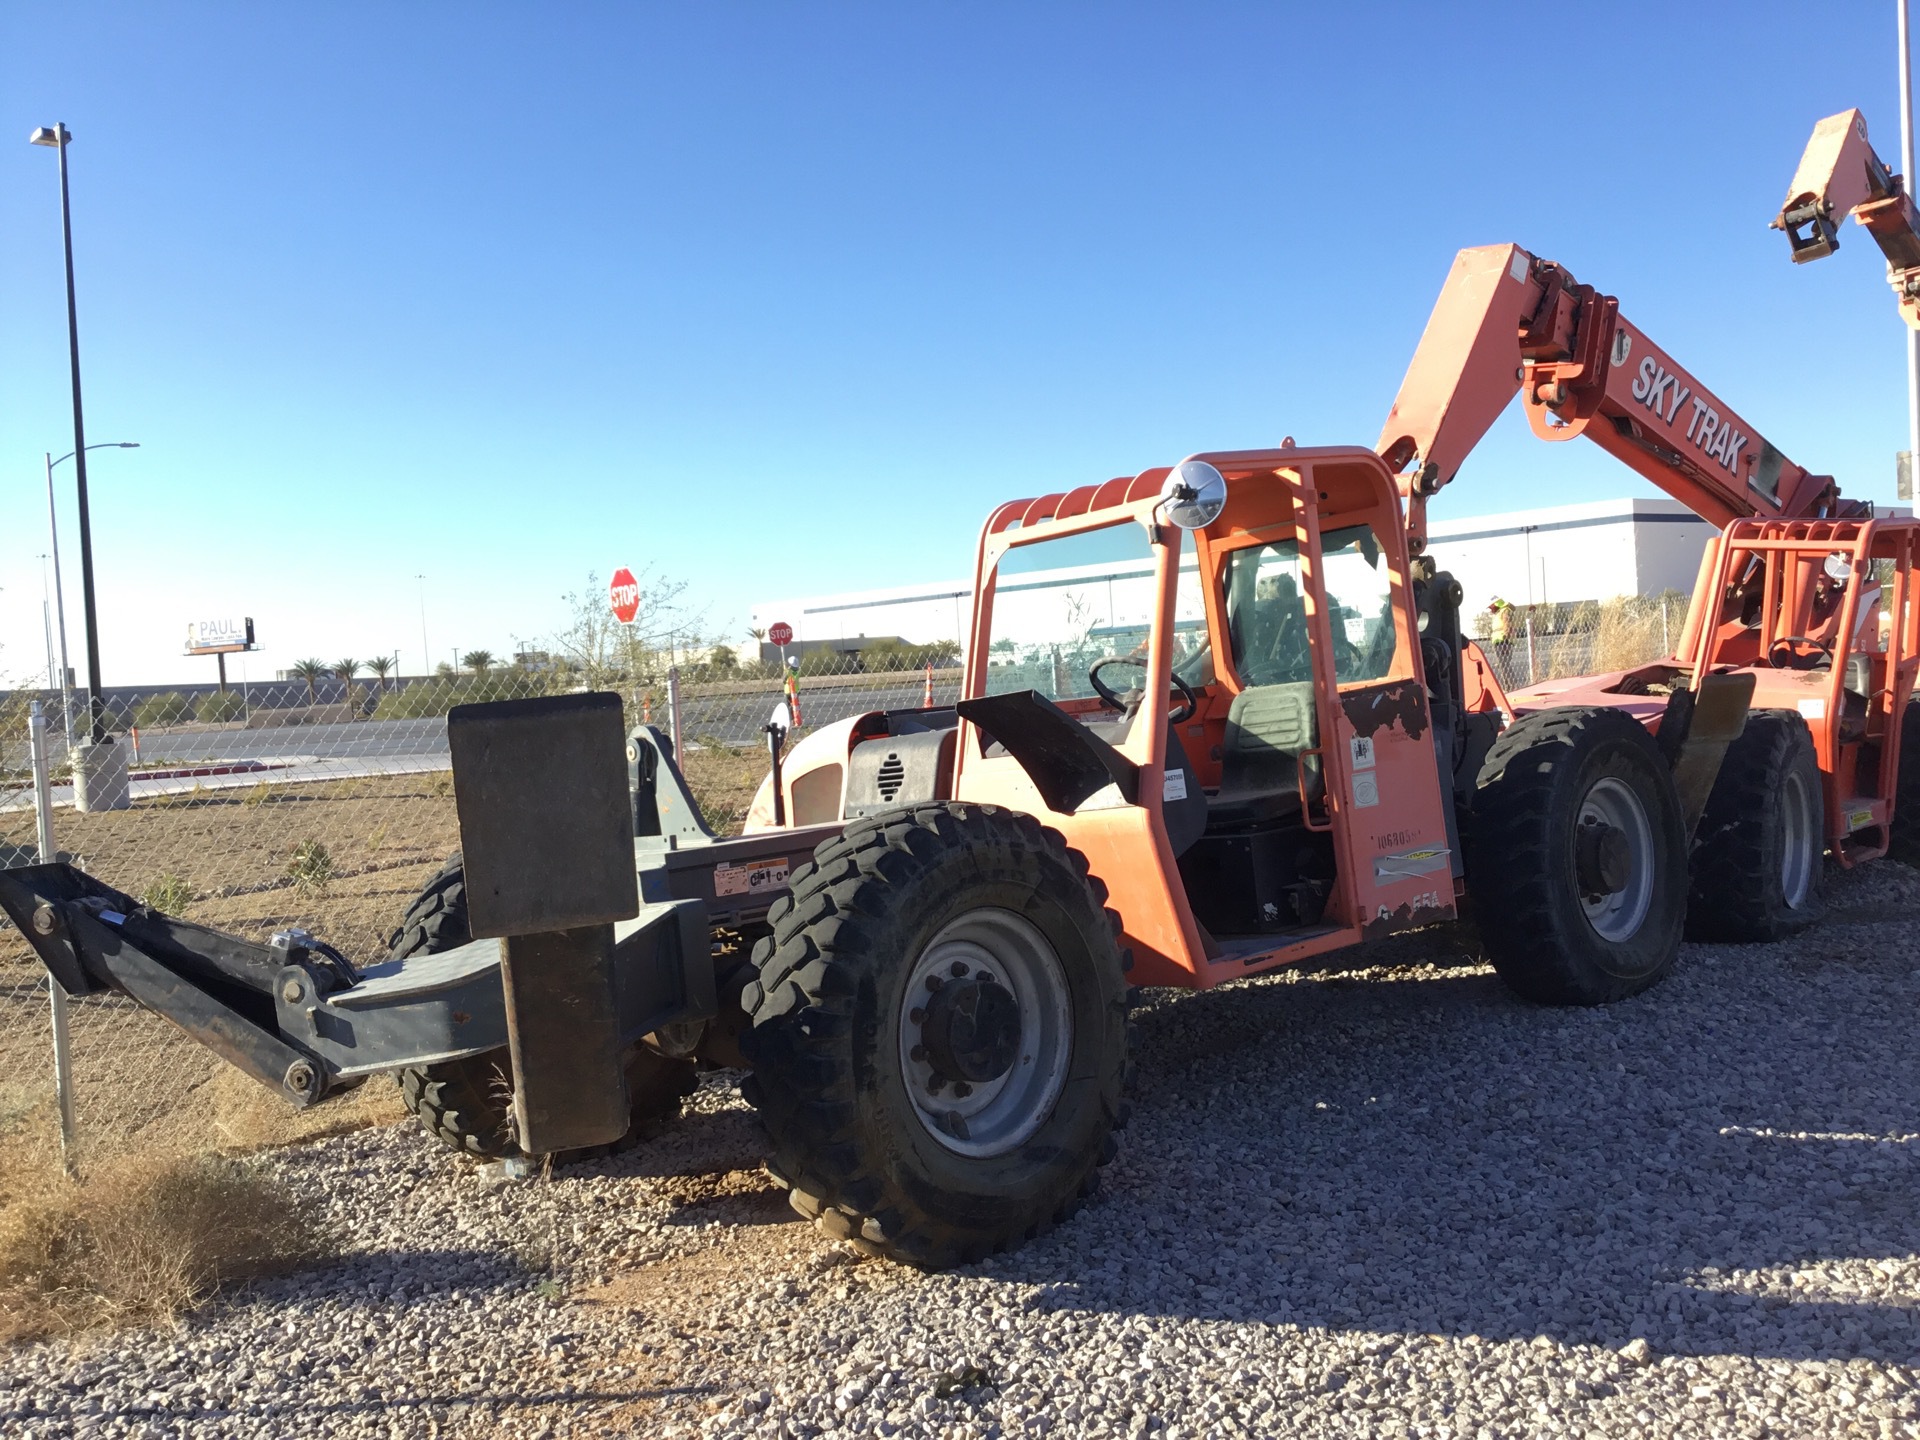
(381, 666)
(478, 661)
(346, 670)
(310, 671)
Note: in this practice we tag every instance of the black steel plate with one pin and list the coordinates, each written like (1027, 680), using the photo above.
(541, 790)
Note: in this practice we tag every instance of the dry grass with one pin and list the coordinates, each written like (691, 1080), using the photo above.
(140, 1238)
(723, 781)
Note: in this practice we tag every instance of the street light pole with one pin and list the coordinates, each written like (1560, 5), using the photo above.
(59, 590)
(1906, 170)
(426, 655)
(46, 616)
(58, 138)
(60, 610)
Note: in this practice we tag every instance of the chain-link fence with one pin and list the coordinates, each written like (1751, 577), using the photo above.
(323, 805)
(326, 804)
(1534, 643)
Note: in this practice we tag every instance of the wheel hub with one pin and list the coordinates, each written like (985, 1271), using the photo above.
(972, 1029)
(1603, 858)
(985, 1032)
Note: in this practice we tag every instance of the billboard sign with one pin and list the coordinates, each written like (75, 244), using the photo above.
(219, 637)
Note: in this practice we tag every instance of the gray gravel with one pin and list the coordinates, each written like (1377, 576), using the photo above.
(1385, 1199)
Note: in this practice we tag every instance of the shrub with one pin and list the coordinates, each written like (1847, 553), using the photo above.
(140, 1239)
(898, 655)
(221, 707)
(426, 699)
(172, 708)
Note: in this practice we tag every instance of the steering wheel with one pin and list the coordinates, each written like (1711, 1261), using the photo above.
(1113, 701)
(1799, 652)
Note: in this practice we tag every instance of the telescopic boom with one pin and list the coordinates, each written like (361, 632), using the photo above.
(1509, 322)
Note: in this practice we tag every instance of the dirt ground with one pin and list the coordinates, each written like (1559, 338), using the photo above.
(231, 859)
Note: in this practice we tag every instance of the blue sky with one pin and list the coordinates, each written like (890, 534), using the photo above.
(784, 298)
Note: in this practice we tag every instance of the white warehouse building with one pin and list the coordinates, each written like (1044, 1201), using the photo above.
(1593, 551)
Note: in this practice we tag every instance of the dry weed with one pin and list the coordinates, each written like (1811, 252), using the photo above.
(168, 893)
(140, 1238)
(311, 868)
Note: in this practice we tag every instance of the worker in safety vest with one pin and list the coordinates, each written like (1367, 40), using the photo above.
(1500, 632)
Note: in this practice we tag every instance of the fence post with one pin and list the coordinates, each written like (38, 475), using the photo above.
(56, 996)
(1666, 644)
(1529, 647)
(673, 711)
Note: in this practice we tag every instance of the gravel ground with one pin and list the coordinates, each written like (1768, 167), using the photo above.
(1380, 1200)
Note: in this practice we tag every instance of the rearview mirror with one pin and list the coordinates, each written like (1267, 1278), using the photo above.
(1193, 495)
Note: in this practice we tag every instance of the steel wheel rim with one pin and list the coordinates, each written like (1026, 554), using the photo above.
(1617, 917)
(1001, 1114)
(1797, 854)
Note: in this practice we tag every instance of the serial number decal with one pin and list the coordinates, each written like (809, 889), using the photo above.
(1662, 392)
(750, 878)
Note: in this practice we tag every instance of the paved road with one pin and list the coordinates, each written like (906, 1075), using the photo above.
(707, 719)
(730, 719)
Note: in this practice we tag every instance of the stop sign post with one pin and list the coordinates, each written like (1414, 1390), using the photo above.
(624, 591)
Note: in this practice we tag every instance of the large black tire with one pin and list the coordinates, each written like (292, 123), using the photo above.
(1903, 843)
(1539, 869)
(1758, 850)
(467, 1104)
(852, 1074)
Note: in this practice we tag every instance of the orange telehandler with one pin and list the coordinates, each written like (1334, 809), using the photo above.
(1218, 717)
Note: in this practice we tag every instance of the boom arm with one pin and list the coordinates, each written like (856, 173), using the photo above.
(1508, 322)
(1840, 175)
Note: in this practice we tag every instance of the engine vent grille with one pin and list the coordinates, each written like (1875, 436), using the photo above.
(891, 777)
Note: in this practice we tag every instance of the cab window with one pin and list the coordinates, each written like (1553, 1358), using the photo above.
(1063, 604)
(1267, 612)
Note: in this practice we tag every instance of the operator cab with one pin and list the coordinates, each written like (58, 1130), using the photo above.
(1265, 624)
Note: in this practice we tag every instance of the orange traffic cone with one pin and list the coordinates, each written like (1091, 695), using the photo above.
(926, 700)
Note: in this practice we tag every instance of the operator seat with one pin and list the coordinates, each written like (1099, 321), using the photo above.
(1269, 727)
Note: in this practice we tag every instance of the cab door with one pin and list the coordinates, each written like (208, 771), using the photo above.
(1383, 801)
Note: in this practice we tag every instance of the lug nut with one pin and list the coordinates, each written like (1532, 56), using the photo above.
(917, 1016)
(958, 968)
(918, 1054)
(961, 1089)
(934, 982)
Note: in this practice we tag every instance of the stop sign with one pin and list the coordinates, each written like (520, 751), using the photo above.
(780, 633)
(625, 591)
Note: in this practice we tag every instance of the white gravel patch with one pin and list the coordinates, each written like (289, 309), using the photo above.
(1381, 1200)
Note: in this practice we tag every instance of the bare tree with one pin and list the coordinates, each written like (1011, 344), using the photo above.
(606, 655)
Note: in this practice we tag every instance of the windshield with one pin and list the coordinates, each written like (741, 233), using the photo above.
(1062, 605)
(1267, 614)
